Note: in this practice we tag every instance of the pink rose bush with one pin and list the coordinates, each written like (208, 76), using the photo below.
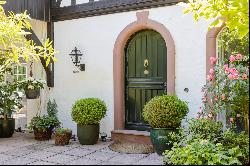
(227, 88)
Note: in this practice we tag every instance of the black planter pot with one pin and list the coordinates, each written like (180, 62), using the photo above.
(32, 93)
(160, 139)
(88, 134)
(7, 128)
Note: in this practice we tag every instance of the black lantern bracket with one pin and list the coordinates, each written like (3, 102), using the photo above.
(76, 57)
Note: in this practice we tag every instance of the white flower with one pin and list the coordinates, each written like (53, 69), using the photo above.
(20, 93)
(31, 87)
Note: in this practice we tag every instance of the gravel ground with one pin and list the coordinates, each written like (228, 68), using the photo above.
(22, 149)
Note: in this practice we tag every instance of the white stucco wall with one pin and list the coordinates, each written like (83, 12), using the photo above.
(96, 36)
(35, 106)
(68, 2)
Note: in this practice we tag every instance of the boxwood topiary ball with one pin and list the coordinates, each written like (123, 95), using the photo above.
(88, 111)
(165, 111)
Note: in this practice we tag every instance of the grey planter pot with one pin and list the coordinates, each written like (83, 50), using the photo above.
(32, 93)
(88, 134)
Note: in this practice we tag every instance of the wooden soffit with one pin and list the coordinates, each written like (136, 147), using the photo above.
(104, 7)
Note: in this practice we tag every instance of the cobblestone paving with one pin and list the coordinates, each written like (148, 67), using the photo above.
(22, 149)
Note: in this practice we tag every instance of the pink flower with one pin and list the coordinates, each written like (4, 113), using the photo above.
(210, 77)
(225, 66)
(211, 71)
(215, 98)
(213, 60)
(239, 57)
(232, 58)
(247, 70)
(227, 70)
(197, 116)
(231, 119)
(238, 115)
(223, 96)
(236, 76)
(245, 77)
(231, 76)
(234, 71)
(204, 99)
(206, 117)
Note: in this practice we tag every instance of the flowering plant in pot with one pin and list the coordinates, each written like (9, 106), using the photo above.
(43, 125)
(164, 114)
(10, 100)
(87, 113)
(227, 90)
(32, 87)
(62, 136)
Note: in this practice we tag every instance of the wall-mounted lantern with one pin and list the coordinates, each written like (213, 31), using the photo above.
(76, 58)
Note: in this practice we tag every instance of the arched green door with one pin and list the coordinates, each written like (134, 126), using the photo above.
(146, 75)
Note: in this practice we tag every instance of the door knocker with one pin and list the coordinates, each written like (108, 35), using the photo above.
(146, 63)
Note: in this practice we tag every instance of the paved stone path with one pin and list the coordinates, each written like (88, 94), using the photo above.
(22, 149)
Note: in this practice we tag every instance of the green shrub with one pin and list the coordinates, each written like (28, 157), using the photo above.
(202, 152)
(43, 123)
(205, 129)
(165, 111)
(52, 108)
(237, 145)
(46, 121)
(231, 139)
(88, 111)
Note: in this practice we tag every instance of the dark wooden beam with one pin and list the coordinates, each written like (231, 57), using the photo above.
(48, 69)
(50, 36)
(105, 7)
(38, 9)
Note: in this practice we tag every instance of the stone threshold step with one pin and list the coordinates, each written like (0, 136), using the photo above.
(132, 132)
(131, 136)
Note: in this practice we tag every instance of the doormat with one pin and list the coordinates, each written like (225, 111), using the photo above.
(131, 148)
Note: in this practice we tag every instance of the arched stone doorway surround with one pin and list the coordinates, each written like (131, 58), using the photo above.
(211, 45)
(143, 22)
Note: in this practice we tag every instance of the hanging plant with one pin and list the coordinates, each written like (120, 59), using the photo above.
(32, 87)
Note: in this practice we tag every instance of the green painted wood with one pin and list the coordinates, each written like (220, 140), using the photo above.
(141, 87)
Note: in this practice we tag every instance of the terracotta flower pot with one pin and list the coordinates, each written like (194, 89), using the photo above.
(41, 135)
(62, 139)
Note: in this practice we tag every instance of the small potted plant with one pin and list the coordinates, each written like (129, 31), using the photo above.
(164, 114)
(44, 125)
(10, 100)
(87, 113)
(62, 136)
(32, 87)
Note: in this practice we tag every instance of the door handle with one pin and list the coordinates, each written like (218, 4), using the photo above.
(165, 85)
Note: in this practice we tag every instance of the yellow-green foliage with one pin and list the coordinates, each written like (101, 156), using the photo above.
(165, 111)
(234, 13)
(88, 111)
(13, 44)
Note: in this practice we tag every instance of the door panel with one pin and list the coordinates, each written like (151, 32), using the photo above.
(146, 73)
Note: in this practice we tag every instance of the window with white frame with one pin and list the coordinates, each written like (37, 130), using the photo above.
(20, 72)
